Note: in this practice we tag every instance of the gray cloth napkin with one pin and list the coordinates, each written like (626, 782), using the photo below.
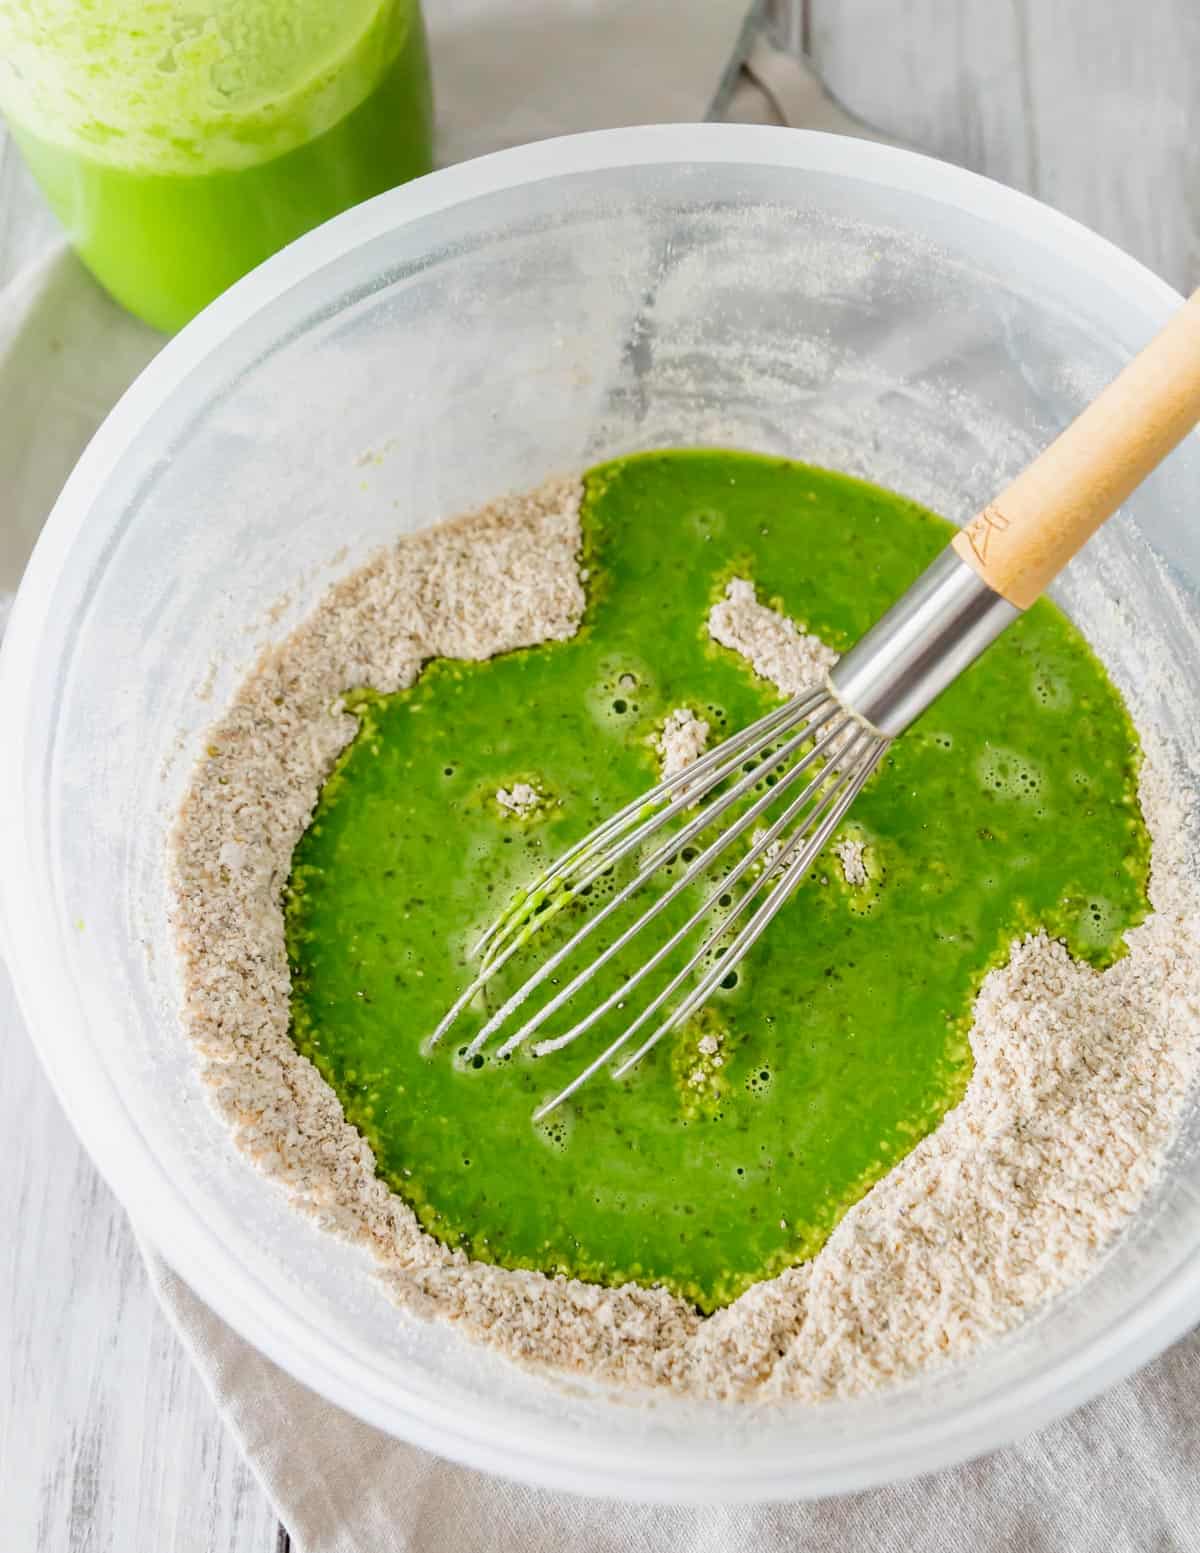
(1120, 1474)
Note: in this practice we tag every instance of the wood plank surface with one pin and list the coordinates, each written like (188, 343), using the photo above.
(1091, 107)
(108, 1441)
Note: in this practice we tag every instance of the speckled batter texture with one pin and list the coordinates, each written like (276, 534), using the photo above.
(1079, 1076)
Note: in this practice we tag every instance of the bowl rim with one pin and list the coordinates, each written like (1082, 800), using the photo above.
(166, 1219)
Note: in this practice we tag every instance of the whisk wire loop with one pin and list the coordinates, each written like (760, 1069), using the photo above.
(600, 851)
(671, 847)
(789, 869)
(532, 908)
(810, 742)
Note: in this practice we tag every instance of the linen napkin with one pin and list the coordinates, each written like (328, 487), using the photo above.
(1120, 1474)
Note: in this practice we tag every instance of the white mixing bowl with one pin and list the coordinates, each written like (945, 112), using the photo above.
(533, 312)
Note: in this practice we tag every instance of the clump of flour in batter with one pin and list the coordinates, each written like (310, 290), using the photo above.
(520, 799)
(850, 855)
(775, 647)
(682, 740)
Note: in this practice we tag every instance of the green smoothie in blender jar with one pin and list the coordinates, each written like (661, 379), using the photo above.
(181, 144)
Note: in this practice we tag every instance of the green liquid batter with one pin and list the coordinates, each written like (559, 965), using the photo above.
(1011, 805)
(181, 149)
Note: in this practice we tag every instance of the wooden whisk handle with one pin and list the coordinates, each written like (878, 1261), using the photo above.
(1021, 541)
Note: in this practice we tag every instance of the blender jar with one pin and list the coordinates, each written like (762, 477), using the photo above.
(181, 144)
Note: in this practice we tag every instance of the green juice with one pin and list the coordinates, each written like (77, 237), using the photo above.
(843, 1037)
(179, 151)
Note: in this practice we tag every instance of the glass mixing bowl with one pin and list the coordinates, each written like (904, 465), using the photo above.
(532, 312)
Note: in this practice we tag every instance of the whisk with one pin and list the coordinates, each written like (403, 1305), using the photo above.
(810, 758)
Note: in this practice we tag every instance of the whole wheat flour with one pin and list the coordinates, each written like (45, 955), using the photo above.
(520, 799)
(850, 855)
(682, 740)
(1079, 1077)
(774, 646)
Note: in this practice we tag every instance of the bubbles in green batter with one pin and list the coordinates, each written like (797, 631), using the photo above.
(1097, 920)
(759, 1080)
(1052, 691)
(619, 697)
(555, 1129)
(1009, 774)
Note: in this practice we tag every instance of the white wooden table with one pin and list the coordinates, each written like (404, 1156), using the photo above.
(108, 1443)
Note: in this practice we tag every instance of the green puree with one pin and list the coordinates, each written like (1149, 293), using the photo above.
(181, 146)
(1010, 806)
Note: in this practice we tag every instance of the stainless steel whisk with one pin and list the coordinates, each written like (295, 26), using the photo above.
(828, 741)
